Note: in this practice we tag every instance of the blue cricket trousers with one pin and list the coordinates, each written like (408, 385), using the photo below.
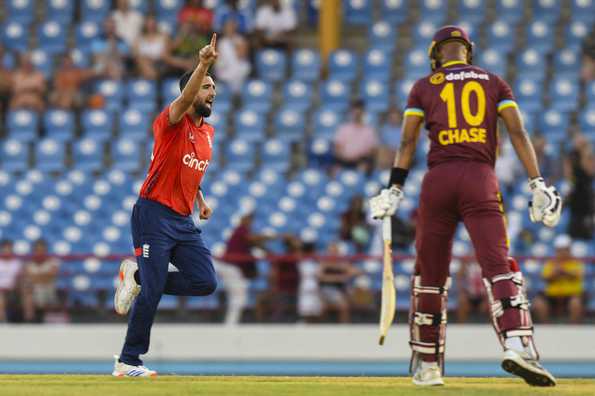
(161, 236)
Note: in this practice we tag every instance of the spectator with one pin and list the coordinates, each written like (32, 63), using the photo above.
(390, 138)
(508, 167)
(231, 11)
(128, 22)
(182, 52)
(195, 13)
(240, 245)
(279, 302)
(472, 293)
(109, 52)
(563, 278)
(10, 269)
(580, 169)
(5, 83)
(334, 276)
(149, 49)
(41, 272)
(588, 64)
(354, 226)
(233, 65)
(275, 23)
(549, 165)
(355, 142)
(403, 231)
(28, 86)
(67, 84)
(309, 304)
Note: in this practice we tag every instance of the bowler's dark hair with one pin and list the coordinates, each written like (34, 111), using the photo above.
(186, 77)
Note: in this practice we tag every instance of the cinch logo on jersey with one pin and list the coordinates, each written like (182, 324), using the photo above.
(452, 136)
(463, 75)
(190, 161)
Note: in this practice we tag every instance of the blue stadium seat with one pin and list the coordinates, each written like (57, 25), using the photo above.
(539, 36)
(566, 63)
(383, 36)
(357, 12)
(80, 59)
(416, 64)
(501, 35)
(88, 155)
(59, 125)
(472, 10)
(493, 60)
(395, 11)
(402, 89)
(15, 156)
(250, 125)
(61, 11)
(142, 95)
(240, 155)
(531, 64)
(97, 124)
(375, 94)
(434, 10)
(305, 64)
(378, 64)
(141, 6)
(271, 64)
(575, 33)
(85, 33)
(289, 124)
(126, 154)
(529, 94)
(320, 152)
(168, 9)
(43, 62)
(335, 94)
(134, 124)
(423, 34)
(52, 37)
(94, 10)
(510, 10)
(257, 96)
(587, 120)
(564, 94)
(50, 155)
(20, 11)
(22, 125)
(15, 36)
(343, 65)
(591, 93)
(554, 123)
(583, 11)
(297, 95)
(546, 10)
(276, 154)
(112, 91)
(326, 122)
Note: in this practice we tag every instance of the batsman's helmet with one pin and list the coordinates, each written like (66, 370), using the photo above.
(445, 34)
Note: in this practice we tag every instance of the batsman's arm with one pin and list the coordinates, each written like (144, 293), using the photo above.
(520, 140)
(182, 103)
(408, 145)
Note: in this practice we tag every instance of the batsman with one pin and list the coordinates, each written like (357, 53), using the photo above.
(460, 105)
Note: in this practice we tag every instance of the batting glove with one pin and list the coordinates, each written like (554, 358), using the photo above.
(546, 204)
(386, 203)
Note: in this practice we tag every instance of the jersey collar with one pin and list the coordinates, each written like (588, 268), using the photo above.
(456, 62)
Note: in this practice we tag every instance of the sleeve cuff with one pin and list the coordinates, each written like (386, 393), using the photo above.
(506, 103)
(414, 111)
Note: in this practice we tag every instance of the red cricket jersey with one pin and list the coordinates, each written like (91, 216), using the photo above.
(181, 155)
(460, 104)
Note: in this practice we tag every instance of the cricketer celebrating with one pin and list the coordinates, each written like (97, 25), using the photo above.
(460, 104)
(162, 229)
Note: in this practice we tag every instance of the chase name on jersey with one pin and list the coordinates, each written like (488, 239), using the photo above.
(194, 163)
(465, 75)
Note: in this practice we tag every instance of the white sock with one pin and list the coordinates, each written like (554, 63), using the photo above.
(515, 344)
(426, 365)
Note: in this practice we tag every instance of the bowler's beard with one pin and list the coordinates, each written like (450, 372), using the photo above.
(202, 110)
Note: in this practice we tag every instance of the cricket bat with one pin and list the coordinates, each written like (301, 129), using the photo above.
(389, 297)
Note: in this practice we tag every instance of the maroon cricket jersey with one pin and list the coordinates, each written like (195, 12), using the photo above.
(460, 104)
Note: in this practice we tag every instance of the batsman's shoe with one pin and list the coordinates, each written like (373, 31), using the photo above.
(127, 289)
(529, 369)
(428, 376)
(126, 370)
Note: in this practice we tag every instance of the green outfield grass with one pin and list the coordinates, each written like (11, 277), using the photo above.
(91, 385)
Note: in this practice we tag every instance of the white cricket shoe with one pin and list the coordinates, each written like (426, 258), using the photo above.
(526, 367)
(428, 376)
(126, 370)
(127, 289)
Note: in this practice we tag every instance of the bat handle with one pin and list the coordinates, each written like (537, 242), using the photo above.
(386, 229)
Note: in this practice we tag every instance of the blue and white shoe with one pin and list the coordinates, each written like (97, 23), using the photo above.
(126, 370)
(127, 289)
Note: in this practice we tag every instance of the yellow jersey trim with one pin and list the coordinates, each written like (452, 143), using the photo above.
(506, 104)
(457, 62)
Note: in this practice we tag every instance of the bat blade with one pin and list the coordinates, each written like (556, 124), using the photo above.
(389, 297)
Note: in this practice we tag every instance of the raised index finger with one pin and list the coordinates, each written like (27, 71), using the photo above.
(213, 40)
